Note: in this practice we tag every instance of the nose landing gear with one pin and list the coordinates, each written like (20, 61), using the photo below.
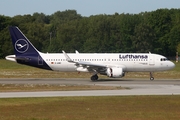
(151, 76)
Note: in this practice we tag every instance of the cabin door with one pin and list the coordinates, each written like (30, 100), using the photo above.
(40, 60)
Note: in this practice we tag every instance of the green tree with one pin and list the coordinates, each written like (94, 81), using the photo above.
(143, 39)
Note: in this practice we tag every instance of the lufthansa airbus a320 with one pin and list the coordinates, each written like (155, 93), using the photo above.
(113, 65)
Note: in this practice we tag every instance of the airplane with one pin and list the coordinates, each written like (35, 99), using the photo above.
(113, 65)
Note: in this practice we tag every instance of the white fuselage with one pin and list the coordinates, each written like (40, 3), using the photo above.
(134, 62)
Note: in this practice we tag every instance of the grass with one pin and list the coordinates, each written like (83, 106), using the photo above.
(99, 108)
(13, 70)
(54, 87)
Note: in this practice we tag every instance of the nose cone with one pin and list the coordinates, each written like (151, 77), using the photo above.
(171, 65)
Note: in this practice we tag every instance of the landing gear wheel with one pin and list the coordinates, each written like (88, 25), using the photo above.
(151, 76)
(94, 77)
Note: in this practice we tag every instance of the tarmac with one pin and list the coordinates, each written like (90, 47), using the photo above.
(136, 87)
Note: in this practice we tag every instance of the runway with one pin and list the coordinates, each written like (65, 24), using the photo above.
(136, 87)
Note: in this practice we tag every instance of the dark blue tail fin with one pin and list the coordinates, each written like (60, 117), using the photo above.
(22, 46)
(25, 52)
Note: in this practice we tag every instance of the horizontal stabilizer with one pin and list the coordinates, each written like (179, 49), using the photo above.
(11, 58)
(14, 58)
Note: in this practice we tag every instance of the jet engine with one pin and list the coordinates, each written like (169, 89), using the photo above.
(82, 69)
(115, 72)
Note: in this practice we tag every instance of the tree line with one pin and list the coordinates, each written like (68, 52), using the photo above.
(156, 31)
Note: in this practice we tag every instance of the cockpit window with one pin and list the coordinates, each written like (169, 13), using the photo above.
(164, 59)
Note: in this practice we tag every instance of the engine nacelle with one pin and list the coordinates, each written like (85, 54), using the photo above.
(115, 72)
(82, 69)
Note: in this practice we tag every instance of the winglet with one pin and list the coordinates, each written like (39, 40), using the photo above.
(76, 52)
(67, 57)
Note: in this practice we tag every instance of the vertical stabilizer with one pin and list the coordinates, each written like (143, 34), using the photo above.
(25, 52)
(22, 46)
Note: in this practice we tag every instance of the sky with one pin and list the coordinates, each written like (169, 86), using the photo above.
(84, 7)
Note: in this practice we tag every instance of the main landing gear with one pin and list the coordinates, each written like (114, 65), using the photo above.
(94, 77)
(151, 76)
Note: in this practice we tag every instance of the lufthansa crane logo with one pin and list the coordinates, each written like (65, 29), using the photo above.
(21, 45)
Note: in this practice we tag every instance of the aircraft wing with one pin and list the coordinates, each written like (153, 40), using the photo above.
(90, 66)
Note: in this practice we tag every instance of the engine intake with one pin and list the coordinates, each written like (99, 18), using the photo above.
(115, 72)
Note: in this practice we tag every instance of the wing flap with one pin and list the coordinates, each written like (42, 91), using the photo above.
(88, 65)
